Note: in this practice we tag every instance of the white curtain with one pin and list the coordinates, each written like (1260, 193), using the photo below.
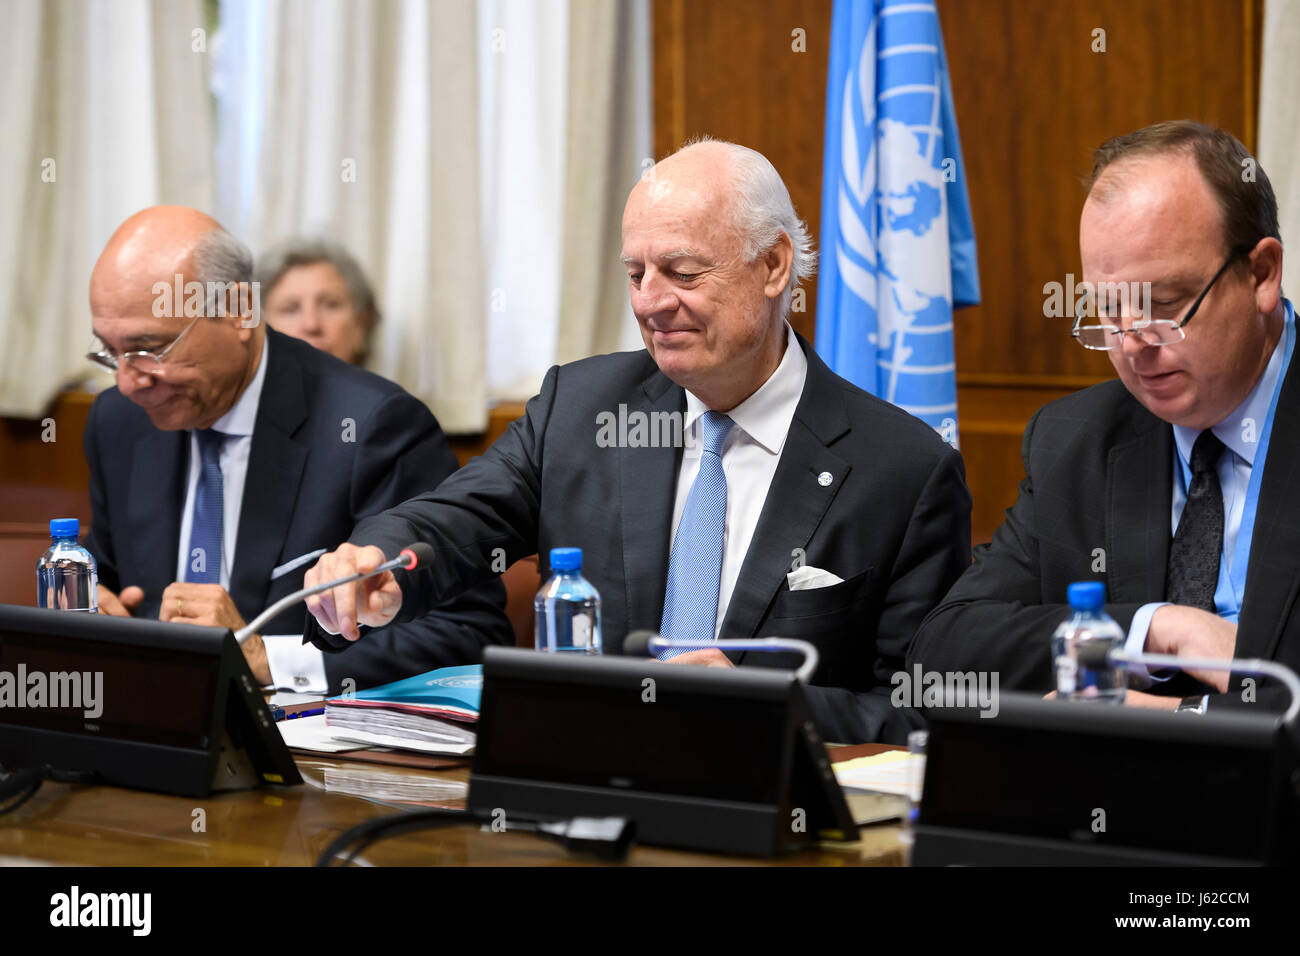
(523, 80)
(359, 120)
(1279, 126)
(104, 110)
(445, 144)
(608, 148)
(474, 157)
(565, 132)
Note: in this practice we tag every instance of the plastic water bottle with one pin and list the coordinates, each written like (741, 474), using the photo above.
(566, 611)
(66, 576)
(1089, 623)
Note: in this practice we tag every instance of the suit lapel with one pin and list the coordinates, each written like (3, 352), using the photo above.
(1139, 488)
(796, 501)
(159, 470)
(648, 480)
(1273, 575)
(276, 462)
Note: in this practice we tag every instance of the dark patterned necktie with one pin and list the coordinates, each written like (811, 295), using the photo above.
(203, 563)
(1194, 554)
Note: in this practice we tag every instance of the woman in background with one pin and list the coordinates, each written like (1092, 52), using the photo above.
(312, 289)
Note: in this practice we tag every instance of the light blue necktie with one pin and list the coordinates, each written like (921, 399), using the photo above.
(209, 503)
(695, 567)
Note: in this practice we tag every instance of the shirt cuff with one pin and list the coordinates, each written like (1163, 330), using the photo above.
(1138, 674)
(294, 665)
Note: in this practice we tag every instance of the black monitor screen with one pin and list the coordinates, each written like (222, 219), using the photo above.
(95, 688)
(609, 737)
(1100, 788)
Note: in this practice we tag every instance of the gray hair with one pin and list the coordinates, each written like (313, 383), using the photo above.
(292, 253)
(221, 262)
(762, 210)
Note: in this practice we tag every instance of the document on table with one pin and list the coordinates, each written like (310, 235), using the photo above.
(365, 739)
(888, 772)
(310, 733)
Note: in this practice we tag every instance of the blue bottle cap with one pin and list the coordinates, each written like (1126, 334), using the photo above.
(65, 528)
(566, 559)
(1086, 595)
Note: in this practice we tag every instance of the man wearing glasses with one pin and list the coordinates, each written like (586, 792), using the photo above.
(229, 457)
(1175, 484)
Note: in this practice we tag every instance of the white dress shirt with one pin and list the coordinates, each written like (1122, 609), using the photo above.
(749, 459)
(293, 665)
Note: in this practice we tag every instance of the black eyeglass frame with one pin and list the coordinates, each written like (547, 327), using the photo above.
(1137, 328)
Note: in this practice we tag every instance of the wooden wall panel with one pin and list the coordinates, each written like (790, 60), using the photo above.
(729, 69)
(1033, 101)
(45, 452)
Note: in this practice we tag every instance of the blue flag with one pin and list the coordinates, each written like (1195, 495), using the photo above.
(898, 245)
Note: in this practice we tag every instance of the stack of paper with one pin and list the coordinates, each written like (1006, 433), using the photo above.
(893, 771)
(429, 713)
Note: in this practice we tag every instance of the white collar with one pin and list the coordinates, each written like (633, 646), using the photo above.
(243, 416)
(766, 415)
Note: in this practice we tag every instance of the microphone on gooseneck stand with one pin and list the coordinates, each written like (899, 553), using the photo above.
(414, 557)
(1098, 654)
(643, 643)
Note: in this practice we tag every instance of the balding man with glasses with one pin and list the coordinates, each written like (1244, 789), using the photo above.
(229, 457)
(1174, 485)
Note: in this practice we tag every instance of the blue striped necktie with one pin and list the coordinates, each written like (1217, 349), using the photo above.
(695, 567)
(203, 562)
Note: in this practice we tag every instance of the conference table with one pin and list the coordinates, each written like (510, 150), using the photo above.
(95, 825)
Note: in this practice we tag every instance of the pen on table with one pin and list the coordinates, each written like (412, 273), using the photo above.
(303, 713)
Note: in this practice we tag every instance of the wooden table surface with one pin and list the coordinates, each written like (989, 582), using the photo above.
(107, 826)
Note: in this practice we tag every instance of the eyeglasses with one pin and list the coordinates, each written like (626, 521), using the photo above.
(1104, 337)
(148, 363)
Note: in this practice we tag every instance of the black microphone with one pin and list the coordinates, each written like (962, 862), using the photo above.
(644, 643)
(414, 557)
(420, 554)
(1096, 655)
(637, 643)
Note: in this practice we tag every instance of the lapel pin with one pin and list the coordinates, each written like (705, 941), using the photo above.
(824, 479)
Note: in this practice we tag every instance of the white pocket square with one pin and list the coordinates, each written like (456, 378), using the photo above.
(297, 562)
(808, 578)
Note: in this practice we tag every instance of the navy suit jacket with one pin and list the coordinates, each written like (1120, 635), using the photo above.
(1095, 505)
(893, 521)
(308, 483)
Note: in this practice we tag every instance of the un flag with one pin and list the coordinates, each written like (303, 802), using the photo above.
(898, 245)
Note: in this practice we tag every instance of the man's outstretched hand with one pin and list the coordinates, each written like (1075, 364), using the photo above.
(371, 601)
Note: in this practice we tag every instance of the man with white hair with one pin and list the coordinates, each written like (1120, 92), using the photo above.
(723, 483)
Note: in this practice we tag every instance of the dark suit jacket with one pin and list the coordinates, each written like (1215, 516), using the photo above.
(894, 523)
(1098, 486)
(306, 488)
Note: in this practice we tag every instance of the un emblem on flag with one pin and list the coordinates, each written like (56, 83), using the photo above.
(890, 181)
